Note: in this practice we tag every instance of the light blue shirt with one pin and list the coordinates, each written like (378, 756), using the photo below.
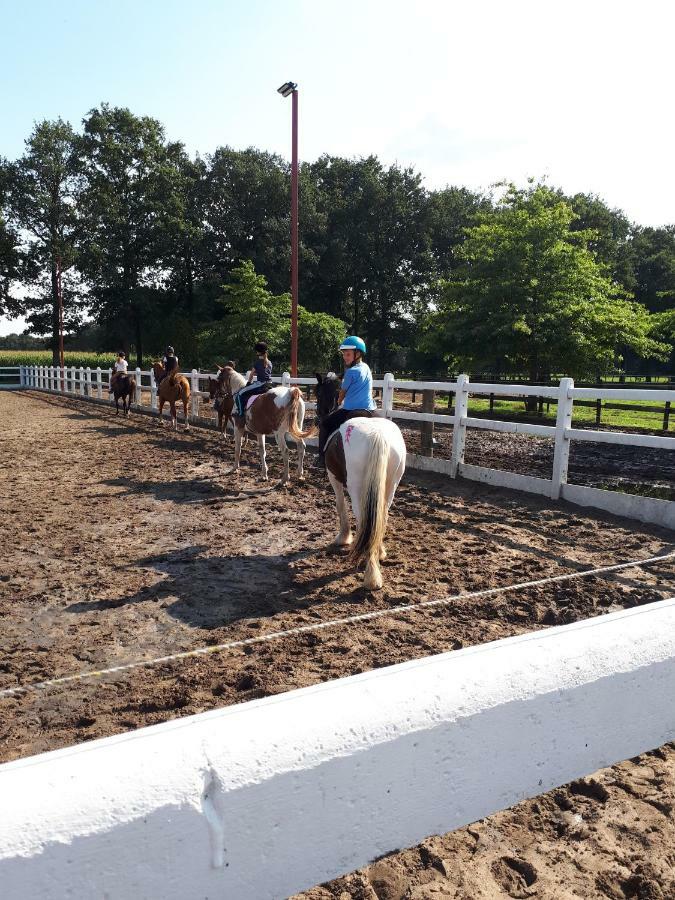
(358, 387)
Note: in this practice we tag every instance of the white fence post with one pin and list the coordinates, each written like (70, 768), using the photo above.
(138, 398)
(51, 378)
(73, 380)
(22, 376)
(153, 391)
(459, 428)
(286, 379)
(88, 380)
(561, 452)
(194, 394)
(109, 378)
(388, 394)
(81, 374)
(99, 383)
(32, 376)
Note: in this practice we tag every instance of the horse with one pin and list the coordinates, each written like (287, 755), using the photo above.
(366, 456)
(123, 386)
(223, 401)
(279, 411)
(171, 389)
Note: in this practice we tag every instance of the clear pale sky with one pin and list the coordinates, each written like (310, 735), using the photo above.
(467, 93)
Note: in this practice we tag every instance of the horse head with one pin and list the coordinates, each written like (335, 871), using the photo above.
(158, 370)
(327, 392)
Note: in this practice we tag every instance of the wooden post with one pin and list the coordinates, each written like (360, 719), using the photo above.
(492, 402)
(153, 391)
(666, 415)
(88, 380)
(561, 452)
(109, 379)
(138, 399)
(388, 395)
(598, 411)
(459, 427)
(286, 379)
(99, 383)
(73, 380)
(81, 381)
(427, 428)
(194, 396)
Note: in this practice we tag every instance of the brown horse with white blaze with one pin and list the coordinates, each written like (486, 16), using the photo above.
(171, 389)
(279, 411)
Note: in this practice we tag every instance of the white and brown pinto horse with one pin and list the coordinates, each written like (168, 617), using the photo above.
(171, 389)
(279, 411)
(367, 457)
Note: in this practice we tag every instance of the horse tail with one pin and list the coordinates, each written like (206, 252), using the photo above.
(374, 511)
(293, 417)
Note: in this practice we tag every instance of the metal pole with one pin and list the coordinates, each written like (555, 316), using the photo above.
(294, 237)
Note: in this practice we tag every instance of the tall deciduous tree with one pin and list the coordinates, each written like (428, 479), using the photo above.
(129, 198)
(43, 188)
(531, 296)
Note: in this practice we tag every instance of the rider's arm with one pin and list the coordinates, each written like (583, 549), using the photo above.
(341, 397)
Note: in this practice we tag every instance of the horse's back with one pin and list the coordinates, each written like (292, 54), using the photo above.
(358, 437)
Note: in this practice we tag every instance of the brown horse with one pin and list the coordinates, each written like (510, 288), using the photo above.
(170, 390)
(223, 401)
(123, 386)
(280, 411)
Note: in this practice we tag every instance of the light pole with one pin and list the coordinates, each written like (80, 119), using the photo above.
(291, 89)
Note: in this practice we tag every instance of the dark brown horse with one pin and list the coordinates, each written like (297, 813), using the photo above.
(223, 401)
(123, 386)
(172, 388)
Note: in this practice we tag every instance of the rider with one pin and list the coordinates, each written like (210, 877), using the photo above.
(120, 368)
(356, 394)
(259, 378)
(170, 362)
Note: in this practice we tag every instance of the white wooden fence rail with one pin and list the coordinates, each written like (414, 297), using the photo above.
(264, 799)
(94, 384)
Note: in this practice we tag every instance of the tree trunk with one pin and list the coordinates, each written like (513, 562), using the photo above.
(56, 359)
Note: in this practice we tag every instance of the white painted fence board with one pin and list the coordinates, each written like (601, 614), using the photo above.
(268, 798)
(644, 509)
(509, 427)
(657, 396)
(620, 437)
(499, 478)
(513, 390)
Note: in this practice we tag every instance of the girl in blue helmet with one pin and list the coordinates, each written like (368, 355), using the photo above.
(356, 394)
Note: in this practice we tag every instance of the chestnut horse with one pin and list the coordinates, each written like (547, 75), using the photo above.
(123, 386)
(366, 456)
(171, 389)
(279, 411)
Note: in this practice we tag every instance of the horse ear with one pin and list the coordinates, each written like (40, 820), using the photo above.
(319, 377)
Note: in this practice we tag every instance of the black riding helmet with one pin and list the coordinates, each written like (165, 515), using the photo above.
(260, 347)
(169, 351)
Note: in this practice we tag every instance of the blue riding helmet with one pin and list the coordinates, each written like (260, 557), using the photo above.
(353, 343)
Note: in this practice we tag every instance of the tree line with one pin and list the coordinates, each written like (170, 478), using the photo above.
(157, 247)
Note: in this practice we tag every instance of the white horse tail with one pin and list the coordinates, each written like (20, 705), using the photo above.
(294, 419)
(374, 510)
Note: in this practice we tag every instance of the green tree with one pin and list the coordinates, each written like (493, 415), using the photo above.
(372, 249)
(531, 296)
(42, 190)
(132, 180)
(253, 313)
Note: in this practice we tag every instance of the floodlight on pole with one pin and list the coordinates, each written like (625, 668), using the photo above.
(290, 89)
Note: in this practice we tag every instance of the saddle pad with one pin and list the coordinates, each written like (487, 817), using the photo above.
(251, 400)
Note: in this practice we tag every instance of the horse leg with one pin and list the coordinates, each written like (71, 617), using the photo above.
(174, 414)
(185, 414)
(238, 432)
(161, 415)
(117, 405)
(301, 459)
(263, 460)
(344, 537)
(283, 447)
